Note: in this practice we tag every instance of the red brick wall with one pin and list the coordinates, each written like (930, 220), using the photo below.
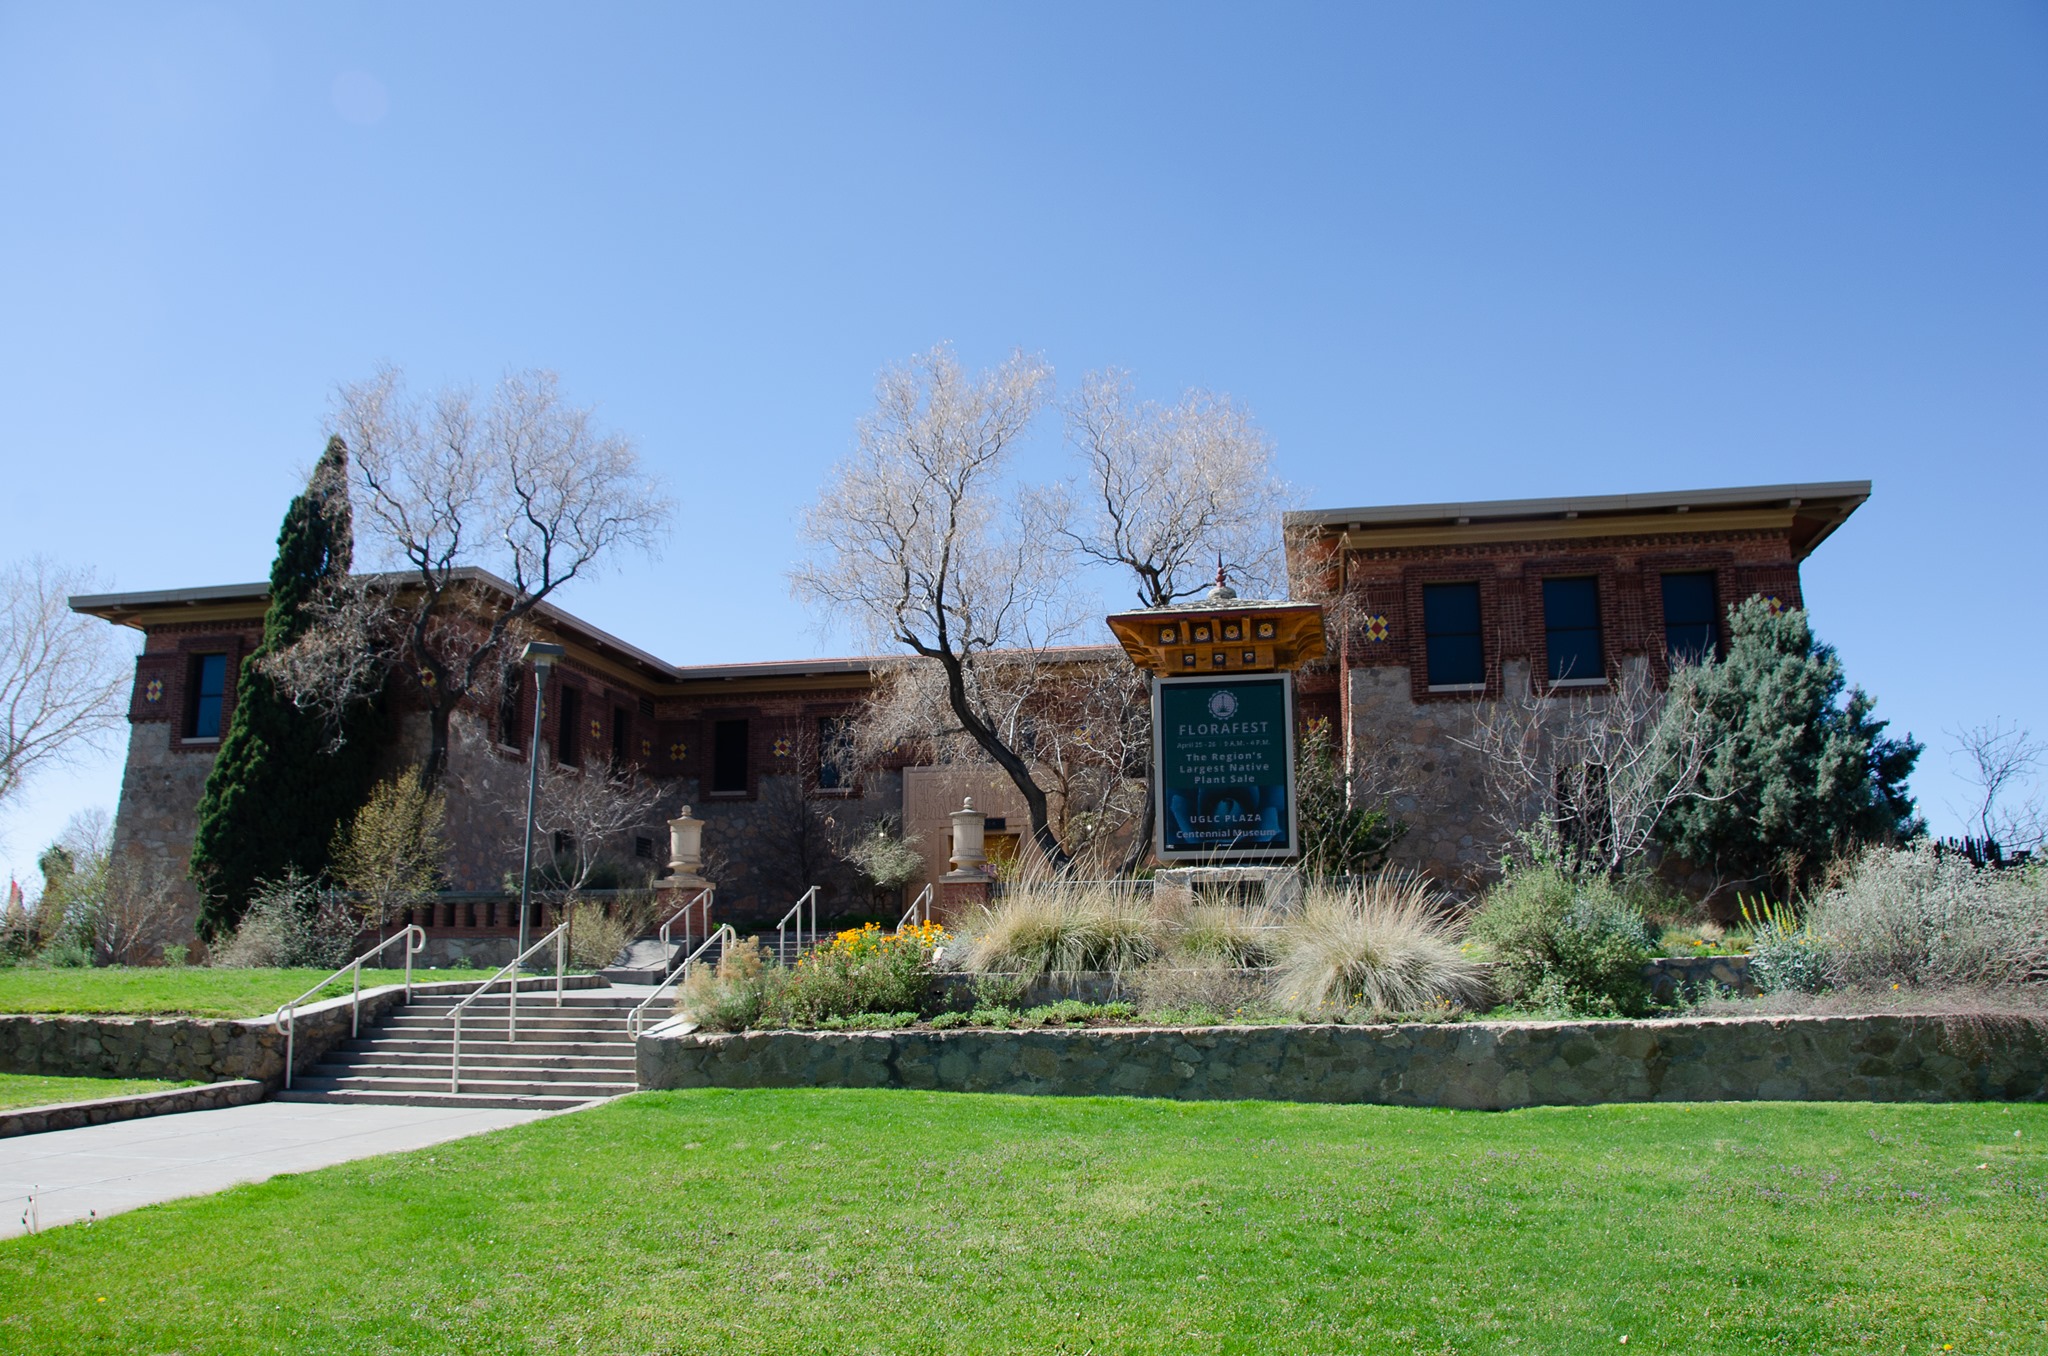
(1388, 582)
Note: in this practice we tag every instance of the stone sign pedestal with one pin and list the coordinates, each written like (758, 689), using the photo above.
(1251, 887)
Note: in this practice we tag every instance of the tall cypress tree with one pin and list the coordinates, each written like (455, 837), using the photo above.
(279, 785)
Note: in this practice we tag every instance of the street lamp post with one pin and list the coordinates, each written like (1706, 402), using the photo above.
(543, 656)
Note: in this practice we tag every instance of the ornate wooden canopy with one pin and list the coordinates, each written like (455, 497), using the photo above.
(1221, 635)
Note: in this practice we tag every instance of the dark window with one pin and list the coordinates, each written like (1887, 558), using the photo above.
(1450, 625)
(1692, 629)
(622, 726)
(1571, 628)
(728, 756)
(643, 847)
(835, 753)
(208, 682)
(569, 735)
(508, 707)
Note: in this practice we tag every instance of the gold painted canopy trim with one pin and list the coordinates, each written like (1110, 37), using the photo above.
(1221, 638)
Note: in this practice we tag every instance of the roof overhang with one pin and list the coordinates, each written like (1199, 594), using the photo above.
(1808, 513)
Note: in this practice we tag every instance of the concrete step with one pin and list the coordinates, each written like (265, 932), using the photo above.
(578, 998)
(505, 1087)
(496, 1021)
(536, 1049)
(544, 1067)
(518, 1101)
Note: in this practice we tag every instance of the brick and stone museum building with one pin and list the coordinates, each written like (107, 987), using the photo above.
(1434, 609)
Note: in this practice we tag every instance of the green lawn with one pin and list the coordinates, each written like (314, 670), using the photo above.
(857, 1221)
(190, 990)
(19, 1090)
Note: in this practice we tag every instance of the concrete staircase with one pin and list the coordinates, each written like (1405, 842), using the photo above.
(564, 1056)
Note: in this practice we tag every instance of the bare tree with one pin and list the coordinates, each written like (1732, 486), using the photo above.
(61, 675)
(141, 914)
(918, 540)
(803, 840)
(1080, 717)
(1171, 493)
(525, 485)
(2000, 759)
(1590, 773)
(1166, 491)
(586, 815)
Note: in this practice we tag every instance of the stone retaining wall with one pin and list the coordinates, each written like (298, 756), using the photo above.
(205, 1049)
(100, 1110)
(1485, 1065)
(1669, 978)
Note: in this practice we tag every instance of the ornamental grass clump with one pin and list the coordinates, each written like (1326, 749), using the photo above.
(1920, 918)
(1387, 944)
(1226, 934)
(1565, 945)
(1061, 927)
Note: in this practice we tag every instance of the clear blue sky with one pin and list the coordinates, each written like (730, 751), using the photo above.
(1470, 251)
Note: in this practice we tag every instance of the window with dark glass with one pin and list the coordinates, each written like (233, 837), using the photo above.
(728, 756)
(207, 684)
(834, 753)
(622, 729)
(1692, 619)
(1571, 629)
(1450, 628)
(569, 734)
(508, 707)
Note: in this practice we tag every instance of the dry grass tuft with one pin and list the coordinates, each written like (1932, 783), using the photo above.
(1227, 934)
(1060, 927)
(1387, 944)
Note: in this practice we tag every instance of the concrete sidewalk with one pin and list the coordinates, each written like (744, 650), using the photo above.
(105, 1169)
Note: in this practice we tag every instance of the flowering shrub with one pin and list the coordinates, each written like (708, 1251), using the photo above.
(861, 972)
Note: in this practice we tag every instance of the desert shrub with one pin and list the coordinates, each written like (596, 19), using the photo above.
(1565, 945)
(1057, 927)
(1386, 944)
(290, 922)
(1226, 934)
(1784, 954)
(735, 994)
(596, 935)
(1178, 990)
(1911, 916)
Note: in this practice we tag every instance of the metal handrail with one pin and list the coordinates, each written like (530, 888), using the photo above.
(702, 896)
(288, 1013)
(725, 937)
(782, 955)
(560, 937)
(919, 912)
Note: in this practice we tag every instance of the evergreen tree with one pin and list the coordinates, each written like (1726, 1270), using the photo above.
(281, 783)
(1338, 837)
(1799, 774)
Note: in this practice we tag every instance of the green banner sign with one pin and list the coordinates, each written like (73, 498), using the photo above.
(1223, 750)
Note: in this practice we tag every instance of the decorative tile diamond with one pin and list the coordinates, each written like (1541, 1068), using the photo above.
(1376, 628)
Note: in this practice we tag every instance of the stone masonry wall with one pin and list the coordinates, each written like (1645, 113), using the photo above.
(158, 814)
(1481, 1065)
